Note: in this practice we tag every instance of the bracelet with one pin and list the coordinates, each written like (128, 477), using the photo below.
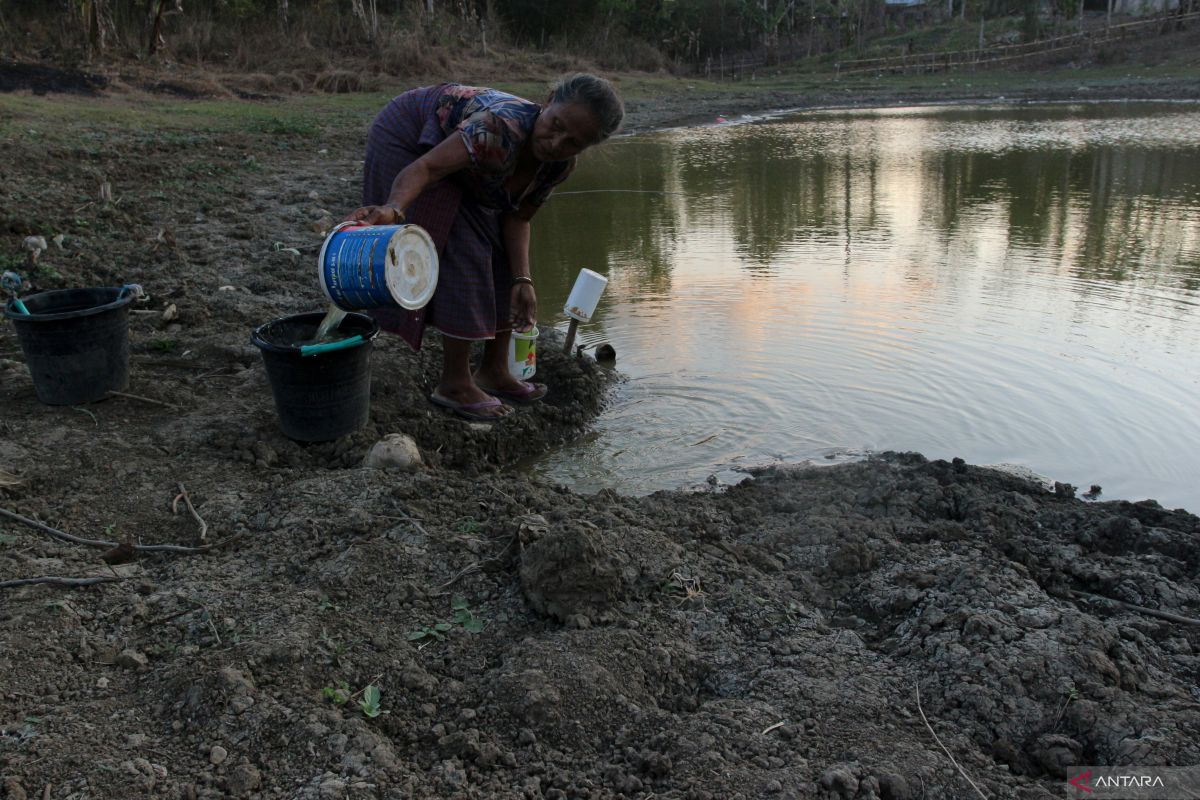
(523, 279)
(399, 211)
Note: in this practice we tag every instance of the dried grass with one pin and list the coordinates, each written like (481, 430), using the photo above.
(339, 81)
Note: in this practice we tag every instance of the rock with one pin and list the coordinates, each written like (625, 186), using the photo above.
(606, 352)
(394, 451)
(1057, 753)
(893, 786)
(243, 779)
(170, 313)
(265, 453)
(241, 703)
(131, 659)
(840, 779)
(236, 680)
(217, 755)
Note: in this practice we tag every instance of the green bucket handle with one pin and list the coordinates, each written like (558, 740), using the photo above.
(341, 344)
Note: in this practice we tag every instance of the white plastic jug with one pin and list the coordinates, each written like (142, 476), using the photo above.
(585, 295)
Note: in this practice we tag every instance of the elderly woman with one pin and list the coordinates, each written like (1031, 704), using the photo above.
(472, 166)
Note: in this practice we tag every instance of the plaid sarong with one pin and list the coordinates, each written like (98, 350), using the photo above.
(474, 281)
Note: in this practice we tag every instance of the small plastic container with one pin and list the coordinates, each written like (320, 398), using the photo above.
(522, 354)
(585, 295)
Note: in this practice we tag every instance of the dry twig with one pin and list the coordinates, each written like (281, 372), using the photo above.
(146, 399)
(1152, 612)
(404, 515)
(475, 567)
(141, 548)
(924, 719)
(59, 581)
(175, 510)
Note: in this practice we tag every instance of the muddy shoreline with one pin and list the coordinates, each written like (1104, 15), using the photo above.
(768, 640)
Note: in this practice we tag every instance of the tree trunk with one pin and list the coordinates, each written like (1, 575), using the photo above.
(156, 29)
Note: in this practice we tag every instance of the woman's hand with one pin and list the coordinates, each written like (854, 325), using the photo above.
(524, 306)
(377, 215)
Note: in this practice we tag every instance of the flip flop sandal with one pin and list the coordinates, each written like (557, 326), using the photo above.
(531, 392)
(470, 410)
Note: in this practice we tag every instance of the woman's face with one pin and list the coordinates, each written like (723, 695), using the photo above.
(563, 130)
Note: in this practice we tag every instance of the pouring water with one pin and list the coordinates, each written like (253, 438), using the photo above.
(333, 318)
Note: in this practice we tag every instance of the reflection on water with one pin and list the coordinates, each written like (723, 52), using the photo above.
(1008, 285)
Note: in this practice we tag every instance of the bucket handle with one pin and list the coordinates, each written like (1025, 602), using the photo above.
(341, 344)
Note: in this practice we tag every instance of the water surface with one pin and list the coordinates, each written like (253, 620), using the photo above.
(1016, 285)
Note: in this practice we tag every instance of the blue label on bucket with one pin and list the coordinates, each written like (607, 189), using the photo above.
(354, 267)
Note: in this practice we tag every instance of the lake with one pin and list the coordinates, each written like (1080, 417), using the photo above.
(1012, 285)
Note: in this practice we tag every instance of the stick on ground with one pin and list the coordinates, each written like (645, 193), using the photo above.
(1152, 612)
(175, 509)
(939, 741)
(141, 548)
(59, 581)
(146, 399)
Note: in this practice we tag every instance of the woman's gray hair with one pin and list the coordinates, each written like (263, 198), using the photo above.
(596, 95)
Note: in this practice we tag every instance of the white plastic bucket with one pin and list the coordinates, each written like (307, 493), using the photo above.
(522, 354)
(585, 295)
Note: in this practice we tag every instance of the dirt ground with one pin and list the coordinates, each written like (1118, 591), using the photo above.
(814, 632)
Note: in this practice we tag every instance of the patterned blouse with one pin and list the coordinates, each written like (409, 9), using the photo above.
(494, 125)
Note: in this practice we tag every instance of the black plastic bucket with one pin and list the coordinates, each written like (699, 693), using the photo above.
(76, 343)
(323, 396)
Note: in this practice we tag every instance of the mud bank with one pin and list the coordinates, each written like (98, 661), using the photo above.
(765, 641)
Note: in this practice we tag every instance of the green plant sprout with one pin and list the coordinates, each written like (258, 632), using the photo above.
(469, 525)
(370, 701)
(338, 695)
(463, 615)
(430, 632)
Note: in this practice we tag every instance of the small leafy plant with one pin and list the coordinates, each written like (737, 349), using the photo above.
(367, 697)
(338, 695)
(463, 615)
(369, 703)
(469, 525)
(430, 632)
